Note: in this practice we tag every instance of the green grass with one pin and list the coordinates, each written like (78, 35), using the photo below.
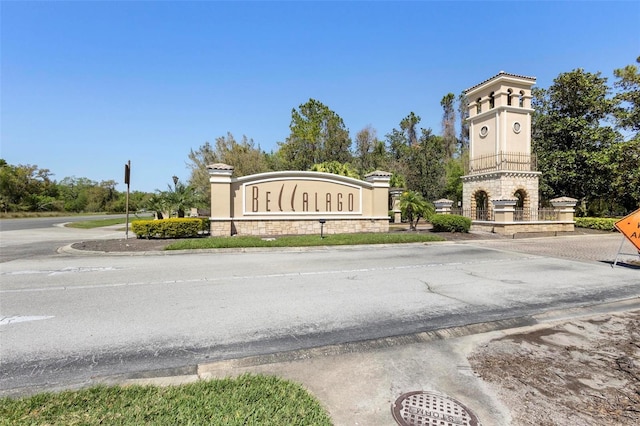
(90, 224)
(31, 215)
(302, 241)
(98, 223)
(245, 400)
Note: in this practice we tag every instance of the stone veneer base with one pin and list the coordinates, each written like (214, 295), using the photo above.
(225, 228)
(522, 227)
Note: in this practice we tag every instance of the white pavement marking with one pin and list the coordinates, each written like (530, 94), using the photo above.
(67, 270)
(268, 276)
(17, 319)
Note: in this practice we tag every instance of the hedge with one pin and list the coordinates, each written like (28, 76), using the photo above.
(602, 223)
(450, 223)
(170, 228)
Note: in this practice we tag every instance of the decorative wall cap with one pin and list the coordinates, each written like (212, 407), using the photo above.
(299, 174)
(378, 173)
(505, 202)
(220, 171)
(563, 202)
(564, 199)
(443, 202)
(378, 178)
(499, 75)
(219, 166)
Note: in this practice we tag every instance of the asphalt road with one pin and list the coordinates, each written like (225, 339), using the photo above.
(47, 222)
(65, 319)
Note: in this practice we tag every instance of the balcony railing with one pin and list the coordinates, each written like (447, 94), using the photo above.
(503, 161)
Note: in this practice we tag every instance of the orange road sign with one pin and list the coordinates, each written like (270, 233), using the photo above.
(629, 226)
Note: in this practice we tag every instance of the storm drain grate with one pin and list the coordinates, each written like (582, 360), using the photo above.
(431, 409)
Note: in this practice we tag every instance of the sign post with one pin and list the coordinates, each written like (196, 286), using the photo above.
(127, 180)
(629, 226)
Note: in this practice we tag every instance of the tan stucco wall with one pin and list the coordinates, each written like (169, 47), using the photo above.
(293, 202)
(502, 137)
(500, 85)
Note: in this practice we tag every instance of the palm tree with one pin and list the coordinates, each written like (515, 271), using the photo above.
(182, 197)
(158, 203)
(414, 206)
(176, 199)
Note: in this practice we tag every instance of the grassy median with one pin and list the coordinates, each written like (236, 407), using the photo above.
(245, 400)
(302, 240)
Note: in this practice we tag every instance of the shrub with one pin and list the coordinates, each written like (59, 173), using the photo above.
(170, 228)
(450, 223)
(602, 223)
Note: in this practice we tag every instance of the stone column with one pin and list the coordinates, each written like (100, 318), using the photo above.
(380, 181)
(504, 209)
(443, 206)
(220, 179)
(395, 204)
(565, 208)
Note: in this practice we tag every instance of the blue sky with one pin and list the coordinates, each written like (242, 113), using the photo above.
(86, 86)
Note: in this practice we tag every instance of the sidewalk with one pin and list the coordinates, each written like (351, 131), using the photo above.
(358, 383)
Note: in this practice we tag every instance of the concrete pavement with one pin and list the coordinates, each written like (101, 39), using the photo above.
(358, 382)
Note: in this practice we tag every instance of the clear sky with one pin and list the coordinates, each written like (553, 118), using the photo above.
(86, 86)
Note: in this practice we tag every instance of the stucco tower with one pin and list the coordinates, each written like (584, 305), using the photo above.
(501, 166)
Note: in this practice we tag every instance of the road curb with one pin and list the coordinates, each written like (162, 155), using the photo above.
(235, 366)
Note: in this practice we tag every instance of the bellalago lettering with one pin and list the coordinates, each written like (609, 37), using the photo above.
(307, 201)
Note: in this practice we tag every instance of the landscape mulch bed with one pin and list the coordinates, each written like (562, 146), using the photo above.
(158, 244)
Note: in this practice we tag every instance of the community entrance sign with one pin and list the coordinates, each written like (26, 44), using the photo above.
(297, 202)
(303, 195)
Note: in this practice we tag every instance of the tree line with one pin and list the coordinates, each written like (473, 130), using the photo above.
(585, 134)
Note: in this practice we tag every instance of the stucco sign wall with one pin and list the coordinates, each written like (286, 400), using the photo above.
(282, 196)
(294, 202)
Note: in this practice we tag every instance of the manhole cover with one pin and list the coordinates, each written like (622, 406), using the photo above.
(430, 408)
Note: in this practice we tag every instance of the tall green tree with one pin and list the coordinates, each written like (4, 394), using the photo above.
(26, 188)
(245, 156)
(623, 161)
(342, 169)
(409, 126)
(402, 145)
(317, 135)
(427, 166)
(569, 136)
(449, 124)
(454, 170)
(370, 153)
(463, 114)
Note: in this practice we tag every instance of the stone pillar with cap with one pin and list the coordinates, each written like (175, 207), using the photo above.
(504, 209)
(220, 180)
(564, 207)
(395, 204)
(443, 206)
(380, 202)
